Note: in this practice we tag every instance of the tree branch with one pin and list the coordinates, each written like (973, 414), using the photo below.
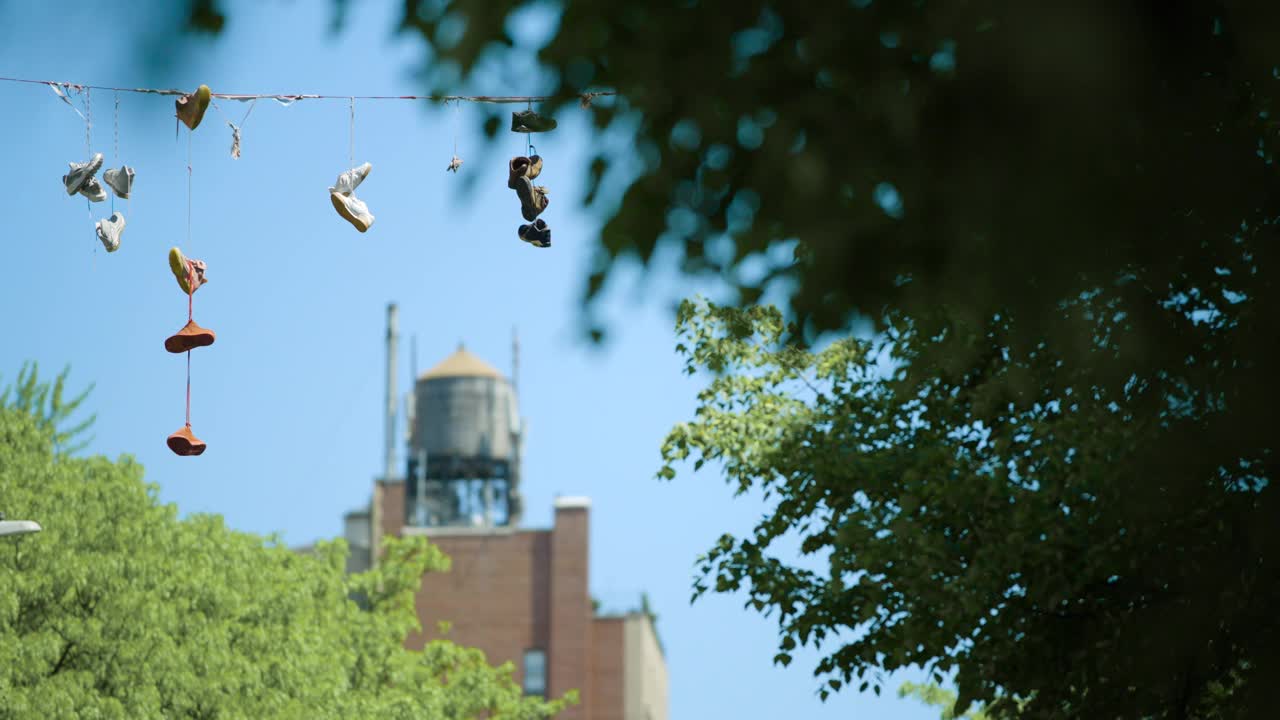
(62, 659)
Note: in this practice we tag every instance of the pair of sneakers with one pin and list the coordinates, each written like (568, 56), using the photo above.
(342, 194)
(190, 274)
(81, 179)
(521, 172)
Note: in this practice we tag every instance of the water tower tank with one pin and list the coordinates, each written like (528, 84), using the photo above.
(466, 428)
(465, 409)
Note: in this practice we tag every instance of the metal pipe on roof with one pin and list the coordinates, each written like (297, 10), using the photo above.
(411, 403)
(392, 337)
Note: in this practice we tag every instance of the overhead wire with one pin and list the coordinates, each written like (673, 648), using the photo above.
(584, 97)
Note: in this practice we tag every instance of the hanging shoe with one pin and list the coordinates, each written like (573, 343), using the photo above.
(80, 173)
(190, 337)
(538, 204)
(535, 167)
(538, 234)
(109, 231)
(454, 164)
(185, 444)
(191, 107)
(533, 198)
(516, 169)
(120, 181)
(352, 209)
(186, 270)
(348, 181)
(528, 121)
(93, 190)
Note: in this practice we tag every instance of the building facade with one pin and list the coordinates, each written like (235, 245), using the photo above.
(518, 594)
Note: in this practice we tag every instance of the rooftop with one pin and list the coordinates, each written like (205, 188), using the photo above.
(461, 364)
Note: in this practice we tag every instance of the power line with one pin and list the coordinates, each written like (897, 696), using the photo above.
(584, 97)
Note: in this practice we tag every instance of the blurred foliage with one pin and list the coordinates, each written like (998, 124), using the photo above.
(950, 161)
(1075, 546)
(118, 610)
(965, 157)
(961, 156)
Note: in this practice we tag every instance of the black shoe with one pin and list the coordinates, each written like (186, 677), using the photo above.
(538, 234)
(528, 121)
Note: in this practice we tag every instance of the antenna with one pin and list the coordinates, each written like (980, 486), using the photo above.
(391, 400)
(411, 398)
(515, 360)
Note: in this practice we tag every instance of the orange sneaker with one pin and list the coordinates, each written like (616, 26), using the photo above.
(185, 444)
(191, 336)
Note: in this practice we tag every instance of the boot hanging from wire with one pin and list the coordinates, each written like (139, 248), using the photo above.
(343, 193)
(121, 183)
(528, 121)
(190, 108)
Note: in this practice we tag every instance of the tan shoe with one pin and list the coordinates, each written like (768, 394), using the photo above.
(191, 107)
(516, 169)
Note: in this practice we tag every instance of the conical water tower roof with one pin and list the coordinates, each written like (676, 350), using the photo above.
(461, 364)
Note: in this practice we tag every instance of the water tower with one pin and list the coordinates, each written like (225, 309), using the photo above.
(464, 447)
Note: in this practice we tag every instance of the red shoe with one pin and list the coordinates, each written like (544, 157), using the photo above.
(191, 336)
(185, 444)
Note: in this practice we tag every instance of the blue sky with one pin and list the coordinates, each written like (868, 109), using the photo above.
(289, 398)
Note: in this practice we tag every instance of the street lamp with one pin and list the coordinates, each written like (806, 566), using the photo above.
(18, 527)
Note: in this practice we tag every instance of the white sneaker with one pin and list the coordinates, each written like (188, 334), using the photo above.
(92, 189)
(120, 181)
(352, 209)
(80, 173)
(350, 180)
(109, 231)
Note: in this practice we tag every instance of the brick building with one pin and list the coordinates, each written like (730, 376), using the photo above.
(519, 594)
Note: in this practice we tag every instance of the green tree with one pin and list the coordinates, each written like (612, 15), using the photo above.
(46, 404)
(1038, 546)
(940, 698)
(1216, 703)
(121, 610)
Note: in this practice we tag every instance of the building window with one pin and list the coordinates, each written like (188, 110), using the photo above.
(535, 672)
